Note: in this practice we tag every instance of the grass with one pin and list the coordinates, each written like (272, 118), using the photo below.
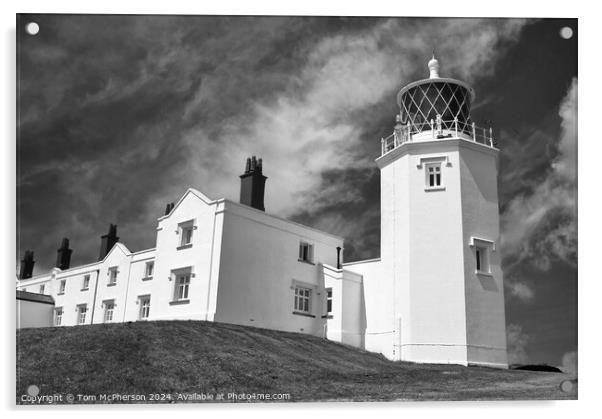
(194, 357)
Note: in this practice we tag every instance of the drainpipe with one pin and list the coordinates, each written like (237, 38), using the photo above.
(94, 300)
(127, 288)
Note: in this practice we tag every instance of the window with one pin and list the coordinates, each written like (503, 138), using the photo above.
(113, 275)
(302, 299)
(182, 285)
(42, 288)
(433, 175)
(482, 255)
(62, 285)
(181, 278)
(482, 259)
(86, 282)
(306, 252)
(81, 313)
(148, 271)
(109, 309)
(144, 303)
(328, 300)
(58, 316)
(185, 231)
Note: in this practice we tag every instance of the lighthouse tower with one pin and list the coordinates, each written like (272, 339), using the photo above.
(436, 294)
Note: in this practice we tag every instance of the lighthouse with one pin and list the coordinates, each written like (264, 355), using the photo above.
(436, 293)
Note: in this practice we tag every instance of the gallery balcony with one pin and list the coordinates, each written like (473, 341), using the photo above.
(438, 130)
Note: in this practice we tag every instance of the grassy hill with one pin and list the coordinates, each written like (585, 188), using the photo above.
(194, 358)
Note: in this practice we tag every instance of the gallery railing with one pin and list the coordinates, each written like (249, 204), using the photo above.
(438, 129)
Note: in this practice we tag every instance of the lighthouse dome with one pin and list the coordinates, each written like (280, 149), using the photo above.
(427, 100)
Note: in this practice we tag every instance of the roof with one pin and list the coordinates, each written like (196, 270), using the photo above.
(36, 298)
(436, 80)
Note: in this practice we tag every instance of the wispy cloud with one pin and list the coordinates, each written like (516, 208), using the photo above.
(520, 290)
(132, 111)
(540, 225)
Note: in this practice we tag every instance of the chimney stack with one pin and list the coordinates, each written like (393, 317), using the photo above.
(169, 207)
(107, 241)
(252, 184)
(26, 270)
(63, 257)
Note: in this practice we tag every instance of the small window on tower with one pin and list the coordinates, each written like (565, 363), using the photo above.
(482, 250)
(482, 259)
(433, 175)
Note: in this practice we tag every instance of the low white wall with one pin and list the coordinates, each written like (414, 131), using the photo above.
(34, 314)
(346, 324)
(377, 307)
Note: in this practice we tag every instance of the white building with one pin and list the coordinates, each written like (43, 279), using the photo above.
(435, 294)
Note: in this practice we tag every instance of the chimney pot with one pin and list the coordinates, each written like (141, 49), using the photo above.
(252, 184)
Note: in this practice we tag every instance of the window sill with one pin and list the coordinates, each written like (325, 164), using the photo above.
(60, 293)
(111, 284)
(483, 273)
(434, 188)
(84, 289)
(184, 246)
(327, 316)
(147, 278)
(306, 261)
(178, 302)
(300, 313)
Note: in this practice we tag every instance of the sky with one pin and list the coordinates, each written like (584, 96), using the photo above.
(119, 115)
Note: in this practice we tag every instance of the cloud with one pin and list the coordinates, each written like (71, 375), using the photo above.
(569, 363)
(331, 112)
(539, 226)
(516, 341)
(520, 290)
(132, 111)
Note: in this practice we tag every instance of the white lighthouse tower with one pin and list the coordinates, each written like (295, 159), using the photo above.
(436, 294)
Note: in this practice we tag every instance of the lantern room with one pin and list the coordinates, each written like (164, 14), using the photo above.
(433, 109)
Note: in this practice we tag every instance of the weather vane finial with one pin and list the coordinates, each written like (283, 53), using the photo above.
(433, 67)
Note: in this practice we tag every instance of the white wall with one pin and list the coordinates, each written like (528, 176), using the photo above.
(200, 257)
(260, 266)
(347, 322)
(377, 308)
(440, 312)
(486, 326)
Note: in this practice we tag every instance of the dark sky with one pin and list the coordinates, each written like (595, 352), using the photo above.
(119, 115)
